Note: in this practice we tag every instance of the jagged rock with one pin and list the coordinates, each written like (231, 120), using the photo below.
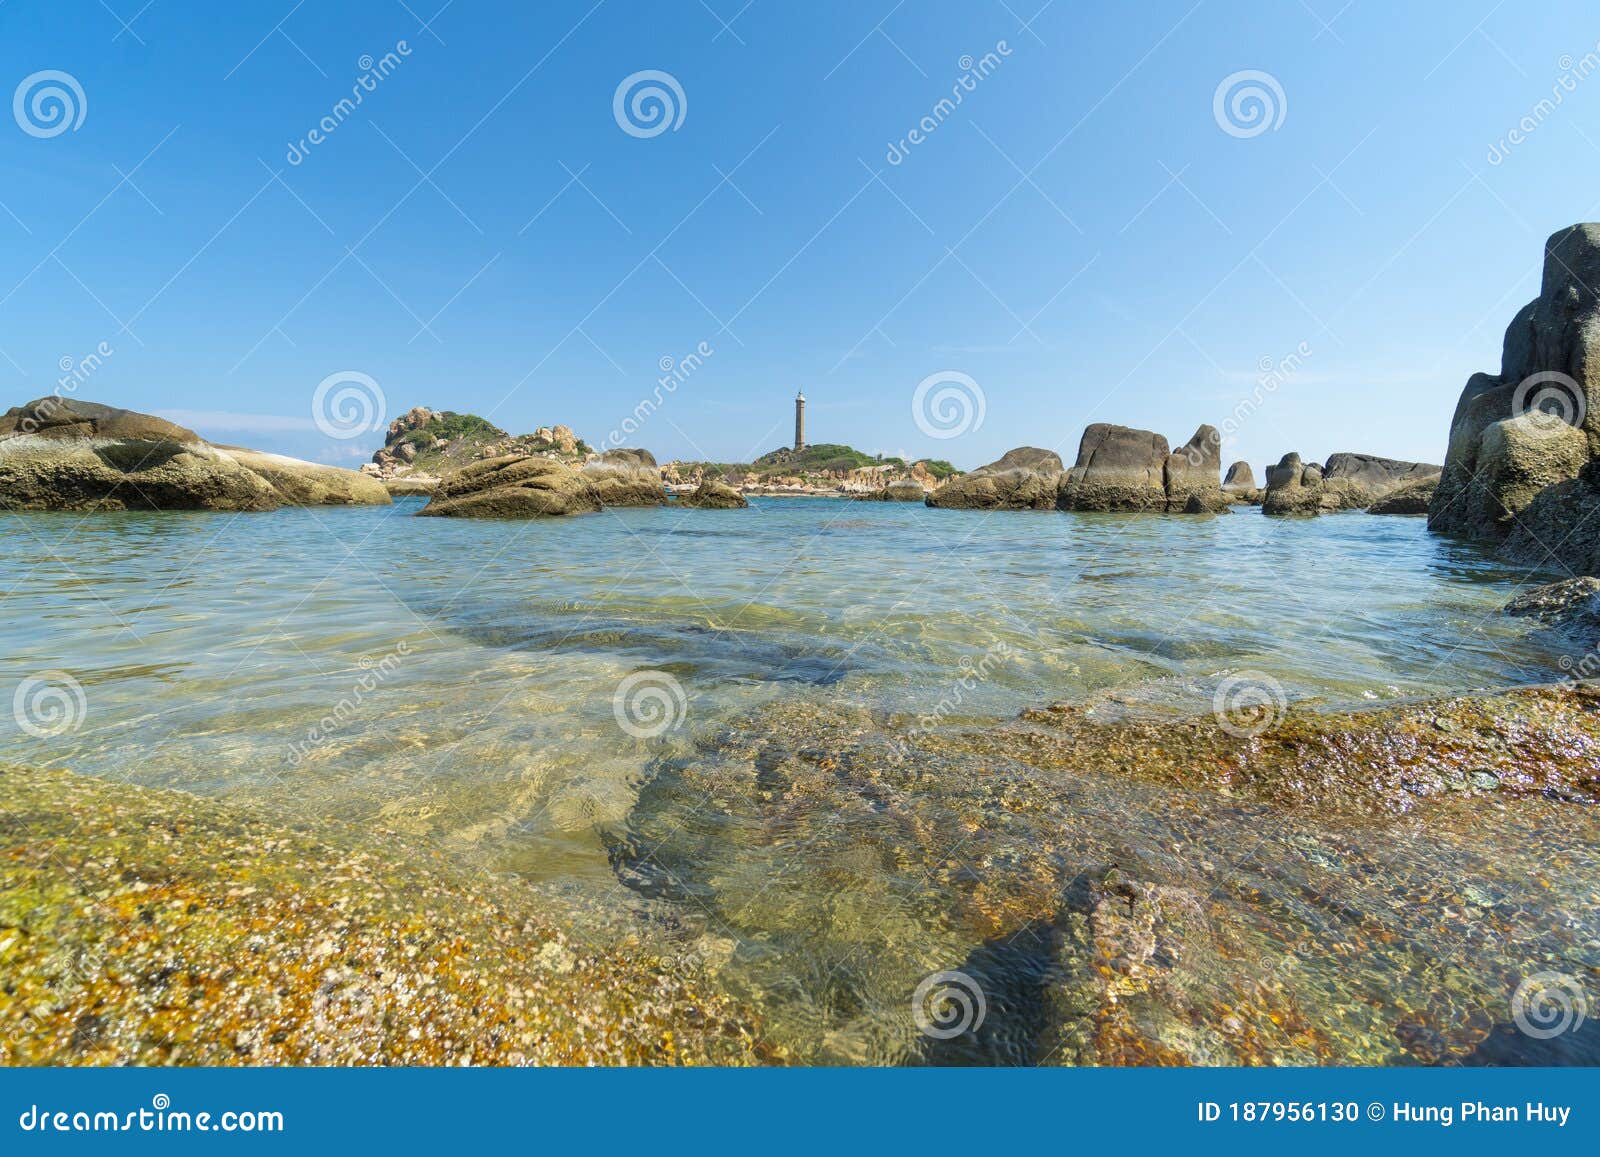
(626, 478)
(903, 491)
(1547, 388)
(1191, 472)
(714, 495)
(1412, 498)
(516, 486)
(1024, 478)
(1570, 602)
(65, 454)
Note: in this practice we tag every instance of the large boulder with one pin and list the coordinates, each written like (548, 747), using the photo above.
(626, 478)
(1025, 478)
(65, 454)
(515, 486)
(1240, 477)
(299, 483)
(1548, 387)
(714, 495)
(1352, 481)
(1119, 468)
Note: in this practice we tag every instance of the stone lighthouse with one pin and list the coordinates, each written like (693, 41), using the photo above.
(799, 422)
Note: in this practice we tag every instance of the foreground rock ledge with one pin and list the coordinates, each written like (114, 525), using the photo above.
(153, 927)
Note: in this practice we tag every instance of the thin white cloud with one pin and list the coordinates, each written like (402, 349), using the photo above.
(202, 420)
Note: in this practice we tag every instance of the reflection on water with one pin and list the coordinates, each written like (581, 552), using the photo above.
(455, 679)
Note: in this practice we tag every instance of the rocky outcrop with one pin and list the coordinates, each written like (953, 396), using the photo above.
(300, 483)
(1534, 424)
(1572, 603)
(714, 495)
(424, 443)
(516, 486)
(905, 490)
(1412, 498)
(65, 454)
(1353, 481)
(1346, 482)
(1293, 487)
(1240, 477)
(1025, 478)
(626, 478)
(1119, 468)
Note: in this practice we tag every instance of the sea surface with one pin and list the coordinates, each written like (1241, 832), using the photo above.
(519, 692)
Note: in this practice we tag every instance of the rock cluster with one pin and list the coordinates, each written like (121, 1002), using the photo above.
(1346, 482)
(65, 454)
(1522, 441)
(1022, 479)
(1124, 469)
(714, 495)
(906, 490)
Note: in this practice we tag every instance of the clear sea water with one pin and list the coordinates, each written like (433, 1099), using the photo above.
(458, 680)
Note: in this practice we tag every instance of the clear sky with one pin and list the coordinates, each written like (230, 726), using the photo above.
(1081, 236)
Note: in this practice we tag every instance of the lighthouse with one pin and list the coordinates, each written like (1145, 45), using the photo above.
(799, 422)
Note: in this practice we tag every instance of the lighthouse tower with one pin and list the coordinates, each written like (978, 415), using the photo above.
(799, 422)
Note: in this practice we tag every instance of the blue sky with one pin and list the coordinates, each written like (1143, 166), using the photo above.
(1080, 236)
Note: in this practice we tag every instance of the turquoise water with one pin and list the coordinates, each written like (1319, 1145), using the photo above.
(459, 680)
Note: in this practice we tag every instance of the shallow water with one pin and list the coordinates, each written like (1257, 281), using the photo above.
(460, 680)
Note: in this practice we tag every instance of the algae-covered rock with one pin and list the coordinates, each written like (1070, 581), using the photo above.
(151, 927)
(714, 495)
(1023, 478)
(626, 478)
(299, 483)
(515, 486)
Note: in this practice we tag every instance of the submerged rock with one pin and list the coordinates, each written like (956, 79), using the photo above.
(1024, 478)
(1571, 603)
(1533, 425)
(143, 927)
(905, 490)
(714, 495)
(516, 486)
